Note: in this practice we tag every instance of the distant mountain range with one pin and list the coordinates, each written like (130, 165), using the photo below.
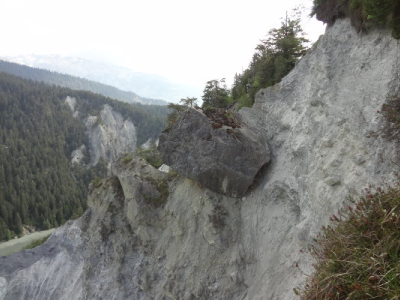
(145, 85)
(73, 82)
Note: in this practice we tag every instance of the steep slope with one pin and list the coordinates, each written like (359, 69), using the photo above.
(146, 85)
(74, 83)
(138, 241)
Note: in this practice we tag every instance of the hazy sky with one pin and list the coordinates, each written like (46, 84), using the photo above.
(187, 41)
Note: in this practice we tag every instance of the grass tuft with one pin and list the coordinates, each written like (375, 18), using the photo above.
(358, 254)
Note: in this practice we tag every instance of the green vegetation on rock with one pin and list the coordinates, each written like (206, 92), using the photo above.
(151, 155)
(37, 242)
(363, 13)
(215, 94)
(162, 191)
(274, 58)
(358, 254)
(175, 111)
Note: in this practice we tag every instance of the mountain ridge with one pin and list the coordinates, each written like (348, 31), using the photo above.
(73, 82)
(146, 85)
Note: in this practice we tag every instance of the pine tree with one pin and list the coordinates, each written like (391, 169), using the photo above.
(17, 224)
(188, 101)
(4, 232)
(274, 58)
(215, 94)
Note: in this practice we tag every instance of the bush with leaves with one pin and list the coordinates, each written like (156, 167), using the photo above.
(151, 155)
(363, 13)
(358, 254)
(173, 116)
(37, 242)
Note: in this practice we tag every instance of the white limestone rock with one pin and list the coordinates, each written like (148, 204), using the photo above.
(164, 168)
(78, 155)
(109, 136)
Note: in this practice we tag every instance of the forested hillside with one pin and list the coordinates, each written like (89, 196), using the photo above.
(75, 83)
(38, 185)
(275, 57)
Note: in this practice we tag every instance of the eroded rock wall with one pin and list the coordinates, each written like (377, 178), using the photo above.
(324, 132)
(138, 240)
(109, 136)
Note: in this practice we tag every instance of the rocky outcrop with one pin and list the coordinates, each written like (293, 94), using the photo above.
(219, 149)
(108, 133)
(323, 131)
(78, 155)
(132, 244)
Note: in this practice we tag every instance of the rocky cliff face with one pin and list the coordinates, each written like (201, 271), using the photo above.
(148, 235)
(109, 135)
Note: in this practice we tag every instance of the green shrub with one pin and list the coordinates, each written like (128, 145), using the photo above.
(358, 254)
(151, 155)
(161, 185)
(363, 13)
(97, 181)
(37, 242)
(127, 158)
(173, 116)
(79, 211)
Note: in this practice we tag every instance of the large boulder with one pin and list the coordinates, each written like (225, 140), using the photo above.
(219, 149)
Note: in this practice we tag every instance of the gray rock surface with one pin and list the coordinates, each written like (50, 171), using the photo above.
(130, 244)
(224, 157)
(109, 135)
(323, 130)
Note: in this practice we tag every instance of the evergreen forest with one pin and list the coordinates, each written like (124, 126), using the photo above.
(38, 185)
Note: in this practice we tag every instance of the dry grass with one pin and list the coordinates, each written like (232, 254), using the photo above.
(358, 254)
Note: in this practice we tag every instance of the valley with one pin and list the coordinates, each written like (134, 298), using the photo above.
(18, 244)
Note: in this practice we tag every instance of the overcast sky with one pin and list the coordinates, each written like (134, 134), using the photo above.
(186, 41)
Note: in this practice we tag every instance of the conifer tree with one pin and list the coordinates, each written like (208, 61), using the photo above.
(215, 94)
(274, 58)
(188, 101)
